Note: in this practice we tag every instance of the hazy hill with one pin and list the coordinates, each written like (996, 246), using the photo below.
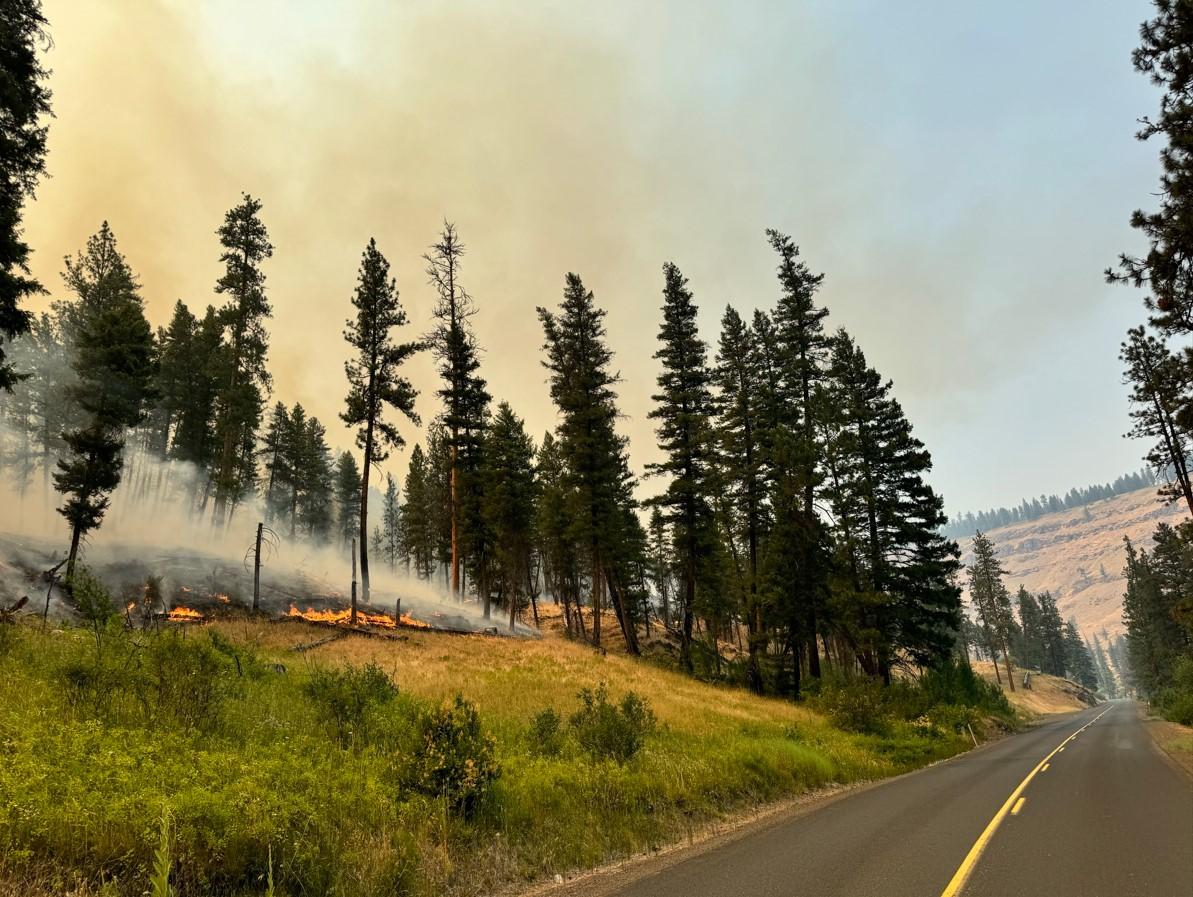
(1078, 554)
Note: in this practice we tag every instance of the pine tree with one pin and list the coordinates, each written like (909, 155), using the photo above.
(1031, 648)
(391, 524)
(1079, 665)
(1153, 605)
(348, 498)
(1053, 635)
(375, 380)
(592, 451)
(243, 377)
(993, 604)
(416, 529)
(660, 562)
(464, 397)
(1165, 55)
(800, 565)
(901, 603)
(114, 369)
(739, 424)
(1158, 381)
(556, 543)
(508, 508)
(314, 486)
(278, 462)
(683, 410)
(24, 106)
(194, 439)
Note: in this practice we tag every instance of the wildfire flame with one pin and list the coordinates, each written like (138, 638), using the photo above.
(344, 617)
(183, 614)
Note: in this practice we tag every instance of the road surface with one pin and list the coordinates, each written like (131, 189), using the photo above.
(1107, 815)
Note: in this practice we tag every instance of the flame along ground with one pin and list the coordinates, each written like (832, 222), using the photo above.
(183, 614)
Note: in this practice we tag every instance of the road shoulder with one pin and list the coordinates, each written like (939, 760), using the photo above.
(609, 878)
(1174, 741)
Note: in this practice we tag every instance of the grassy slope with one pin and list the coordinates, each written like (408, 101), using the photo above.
(81, 792)
(1050, 553)
(1048, 694)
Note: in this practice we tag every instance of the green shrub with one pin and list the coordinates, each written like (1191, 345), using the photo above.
(183, 680)
(349, 698)
(856, 705)
(455, 759)
(545, 736)
(94, 602)
(608, 731)
(1175, 702)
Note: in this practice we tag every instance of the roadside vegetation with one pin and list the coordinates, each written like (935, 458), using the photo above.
(429, 764)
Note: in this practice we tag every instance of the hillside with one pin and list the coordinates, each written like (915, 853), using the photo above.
(1048, 694)
(288, 749)
(1078, 555)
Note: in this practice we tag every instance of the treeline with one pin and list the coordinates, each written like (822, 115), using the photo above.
(793, 530)
(1158, 367)
(1027, 632)
(965, 525)
(1158, 611)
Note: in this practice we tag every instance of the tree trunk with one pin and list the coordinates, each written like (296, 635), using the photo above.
(352, 618)
(257, 570)
(455, 515)
(596, 595)
(364, 513)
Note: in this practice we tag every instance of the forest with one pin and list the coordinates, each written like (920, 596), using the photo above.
(792, 513)
(1158, 370)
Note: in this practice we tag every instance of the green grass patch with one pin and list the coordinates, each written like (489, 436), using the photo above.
(359, 772)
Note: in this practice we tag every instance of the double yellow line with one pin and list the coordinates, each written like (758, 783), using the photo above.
(957, 882)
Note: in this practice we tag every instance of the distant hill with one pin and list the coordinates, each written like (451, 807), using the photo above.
(1077, 554)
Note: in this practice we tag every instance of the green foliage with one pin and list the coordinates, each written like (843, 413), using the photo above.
(265, 783)
(946, 697)
(456, 760)
(350, 699)
(545, 737)
(160, 881)
(608, 731)
(183, 680)
(856, 705)
(1176, 701)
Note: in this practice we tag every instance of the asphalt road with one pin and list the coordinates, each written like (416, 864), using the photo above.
(1109, 816)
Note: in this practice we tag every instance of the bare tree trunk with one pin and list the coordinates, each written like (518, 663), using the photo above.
(257, 570)
(352, 619)
(364, 513)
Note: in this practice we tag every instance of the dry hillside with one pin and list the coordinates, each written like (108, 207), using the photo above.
(1048, 694)
(1078, 555)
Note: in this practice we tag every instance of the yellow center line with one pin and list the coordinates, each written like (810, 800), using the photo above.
(957, 882)
(1018, 806)
(1044, 767)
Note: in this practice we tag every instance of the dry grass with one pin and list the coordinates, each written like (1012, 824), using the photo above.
(1051, 553)
(513, 679)
(1048, 694)
(1175, 740)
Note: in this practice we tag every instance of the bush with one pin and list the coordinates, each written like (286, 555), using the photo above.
(612, 732)
(456, 757)
(1176, 701)
(93, 601)
(348, 699)
(183, 680)
(545, 736)
(855, 705)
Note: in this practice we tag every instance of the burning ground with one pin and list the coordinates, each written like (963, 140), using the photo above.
(196, 587)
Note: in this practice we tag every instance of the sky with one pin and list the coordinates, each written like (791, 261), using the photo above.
(961, 173)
